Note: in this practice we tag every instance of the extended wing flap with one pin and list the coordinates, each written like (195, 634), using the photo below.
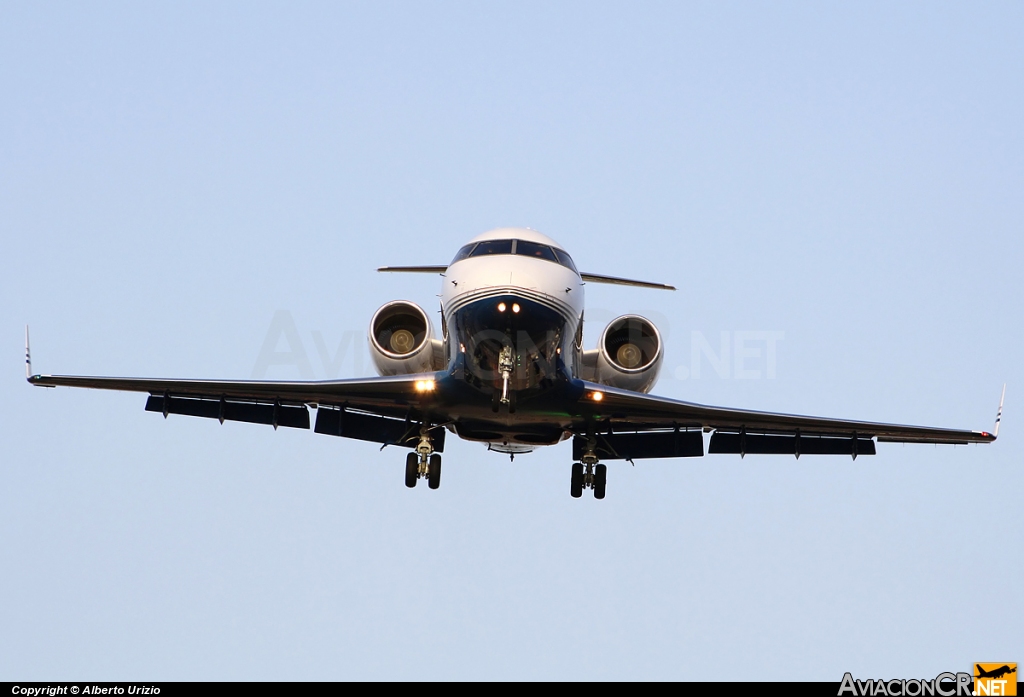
(744, 443)
(375, 429)
(276, 414)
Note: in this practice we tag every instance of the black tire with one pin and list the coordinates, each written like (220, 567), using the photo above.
(434, 473)
(600, 480)
(412, 469)
(576, 484)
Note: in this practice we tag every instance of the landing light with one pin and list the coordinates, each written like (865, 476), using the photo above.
(424, 385)
(501, 307)
(597, 396)
(515, 307)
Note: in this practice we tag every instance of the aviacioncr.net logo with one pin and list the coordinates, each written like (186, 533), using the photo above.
(943, 685)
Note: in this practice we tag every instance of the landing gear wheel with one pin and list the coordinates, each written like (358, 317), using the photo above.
(600, 480)
(576, 485)
(434, 473)
(412, 469)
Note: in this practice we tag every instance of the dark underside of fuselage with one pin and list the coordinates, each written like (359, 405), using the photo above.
(513, 338)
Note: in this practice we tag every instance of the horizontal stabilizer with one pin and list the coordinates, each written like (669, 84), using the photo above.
(412, 269)
(614, 280)
(587, 277)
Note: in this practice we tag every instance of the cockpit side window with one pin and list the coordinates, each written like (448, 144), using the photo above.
(564, 259)
(464, 253)
(492, 247)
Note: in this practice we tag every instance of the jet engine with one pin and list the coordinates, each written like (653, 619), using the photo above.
(402, 340)
(628, 356)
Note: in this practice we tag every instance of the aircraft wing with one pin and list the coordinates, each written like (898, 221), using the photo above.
(366, 393)
(382, 410)
(626, 418)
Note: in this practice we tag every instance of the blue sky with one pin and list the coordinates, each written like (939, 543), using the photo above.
(172, 176)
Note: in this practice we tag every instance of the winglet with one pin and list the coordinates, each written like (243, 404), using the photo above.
(28, 357)
(999, 414)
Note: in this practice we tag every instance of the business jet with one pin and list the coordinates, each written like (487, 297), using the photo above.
(509, 371)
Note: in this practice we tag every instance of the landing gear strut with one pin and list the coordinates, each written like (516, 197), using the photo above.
(507, 396)
(424, 463)
(505, 365)
(588, 474)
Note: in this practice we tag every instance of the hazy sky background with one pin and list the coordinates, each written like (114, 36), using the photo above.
(173, 175)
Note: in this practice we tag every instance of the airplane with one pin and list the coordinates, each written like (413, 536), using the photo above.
(509, 371)
(995, 673)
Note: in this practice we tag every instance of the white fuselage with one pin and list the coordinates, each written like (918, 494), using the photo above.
(549, 283)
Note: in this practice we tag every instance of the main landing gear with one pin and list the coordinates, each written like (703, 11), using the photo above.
(588, 474)
(424, 463)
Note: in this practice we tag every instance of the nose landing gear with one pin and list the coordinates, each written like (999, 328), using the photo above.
(505, 365)
(424, 463)
(507, 396)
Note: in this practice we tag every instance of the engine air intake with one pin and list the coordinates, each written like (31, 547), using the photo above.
(402, 339)
(399, 328)
(629, 355)
(631, 343)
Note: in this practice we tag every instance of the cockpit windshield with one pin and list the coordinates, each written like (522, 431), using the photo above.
(532, 249)
(518, 247)
(493, 247)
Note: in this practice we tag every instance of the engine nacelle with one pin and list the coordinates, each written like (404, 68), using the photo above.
(628, 356)
(402, 340)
